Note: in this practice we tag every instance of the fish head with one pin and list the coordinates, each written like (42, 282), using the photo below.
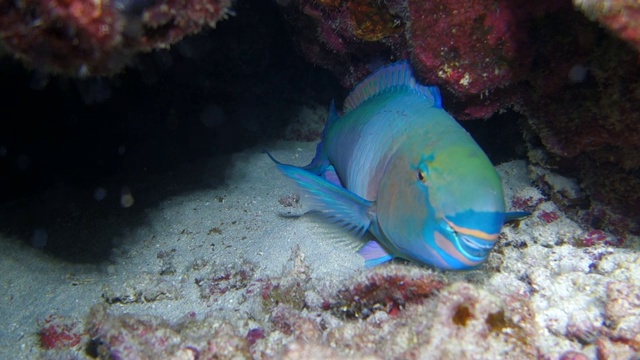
(444, 208)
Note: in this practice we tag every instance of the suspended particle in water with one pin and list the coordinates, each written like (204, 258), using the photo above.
(126, 198)
(100, 193)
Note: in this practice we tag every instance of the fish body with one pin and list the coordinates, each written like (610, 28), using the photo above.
(397, 164)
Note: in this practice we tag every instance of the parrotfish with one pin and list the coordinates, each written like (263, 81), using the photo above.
(398, 165)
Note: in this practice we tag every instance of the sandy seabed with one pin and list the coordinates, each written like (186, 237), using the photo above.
(229, 270)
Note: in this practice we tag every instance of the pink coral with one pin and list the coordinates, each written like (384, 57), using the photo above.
(487, 44)
(548, 216)
(599, 237)
(527, 203)
(59, 333)
(387, 291)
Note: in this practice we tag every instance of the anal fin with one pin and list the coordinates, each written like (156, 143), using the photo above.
(374, 254)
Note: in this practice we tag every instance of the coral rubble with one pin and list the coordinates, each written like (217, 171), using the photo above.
(551, 289)
(401, 311)
(131, 337)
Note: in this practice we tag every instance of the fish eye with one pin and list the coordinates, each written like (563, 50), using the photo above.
(423, 170)
(421, 176)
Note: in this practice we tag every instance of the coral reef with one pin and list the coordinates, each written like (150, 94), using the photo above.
(576, 84)
(351, 38)
(480, 51)
(475, 49)
(83, 38)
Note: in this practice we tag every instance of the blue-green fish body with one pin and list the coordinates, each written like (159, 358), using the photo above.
(397, 164)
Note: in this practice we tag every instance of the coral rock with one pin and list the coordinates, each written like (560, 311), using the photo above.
(611, 350)
(465, 314)
(622, 17)
(60, 333)
(388, 290)
(130, 337)
(81, 38)
(623, 312)
(486, 43)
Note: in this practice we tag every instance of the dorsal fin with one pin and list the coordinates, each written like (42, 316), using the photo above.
(331, 118)
(391, 77)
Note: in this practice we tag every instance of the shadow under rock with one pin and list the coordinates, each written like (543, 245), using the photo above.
(73, 150)
(74, 225)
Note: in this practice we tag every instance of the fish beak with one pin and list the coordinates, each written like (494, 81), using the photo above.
(473, 244)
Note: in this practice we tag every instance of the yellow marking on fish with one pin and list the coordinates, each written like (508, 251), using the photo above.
(473, 232)
(446, 245)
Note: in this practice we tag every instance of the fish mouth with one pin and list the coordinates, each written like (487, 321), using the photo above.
(474, 244)
(473, 248)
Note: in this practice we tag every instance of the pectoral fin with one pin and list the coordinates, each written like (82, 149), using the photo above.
(332, 201)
